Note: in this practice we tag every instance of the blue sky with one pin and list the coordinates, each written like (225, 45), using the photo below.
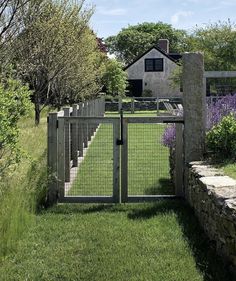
(112, 15)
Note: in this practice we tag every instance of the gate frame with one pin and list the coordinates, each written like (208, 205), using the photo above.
(179, 176)
(62, 123)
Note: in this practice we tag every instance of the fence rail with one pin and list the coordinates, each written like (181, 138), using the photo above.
(76, 140)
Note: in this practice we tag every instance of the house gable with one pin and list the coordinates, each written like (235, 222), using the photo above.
(149, 50)
(154, 68)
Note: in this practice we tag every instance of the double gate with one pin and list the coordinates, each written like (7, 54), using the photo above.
(122, 160)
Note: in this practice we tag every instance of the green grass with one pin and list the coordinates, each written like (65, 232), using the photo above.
(228, 167)
(23, 188)
(148, 163)
(150, 242)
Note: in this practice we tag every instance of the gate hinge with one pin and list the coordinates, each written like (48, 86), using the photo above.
(119, 142)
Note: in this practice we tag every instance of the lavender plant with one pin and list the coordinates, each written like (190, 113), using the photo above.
(216, 111)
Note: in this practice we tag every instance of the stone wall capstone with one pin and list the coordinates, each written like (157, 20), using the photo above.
(213, 198)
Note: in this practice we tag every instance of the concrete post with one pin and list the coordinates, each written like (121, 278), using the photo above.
(194, 103)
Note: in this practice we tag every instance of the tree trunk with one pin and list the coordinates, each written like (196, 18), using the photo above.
(37, 113)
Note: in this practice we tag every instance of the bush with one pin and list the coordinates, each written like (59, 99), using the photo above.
(221, 139)
(14, 101)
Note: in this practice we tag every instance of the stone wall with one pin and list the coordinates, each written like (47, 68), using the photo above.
(213, 198)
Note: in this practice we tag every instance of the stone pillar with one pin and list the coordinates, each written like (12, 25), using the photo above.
(194, 103)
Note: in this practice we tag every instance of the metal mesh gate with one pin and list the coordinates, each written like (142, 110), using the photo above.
(95, 177)
(145, 161)
(148, 161)
(91, 174)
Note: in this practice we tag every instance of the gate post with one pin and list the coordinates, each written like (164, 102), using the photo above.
(52, 159)
(194, 104)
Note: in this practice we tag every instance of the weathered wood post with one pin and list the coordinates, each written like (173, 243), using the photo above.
(85, 126)
(157, 106)
(67, 146)
(52, 152)
(74, 138)
(132, 106)
(80, 131)
(194, 104)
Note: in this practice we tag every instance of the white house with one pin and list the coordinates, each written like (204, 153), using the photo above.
(152, 70)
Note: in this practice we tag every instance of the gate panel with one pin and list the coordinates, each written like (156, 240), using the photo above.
(145, 161)
(96, 178)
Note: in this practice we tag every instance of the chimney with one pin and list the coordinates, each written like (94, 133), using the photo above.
(164, 45)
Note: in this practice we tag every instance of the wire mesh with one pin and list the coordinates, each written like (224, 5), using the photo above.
(148, 161)
(94, 174)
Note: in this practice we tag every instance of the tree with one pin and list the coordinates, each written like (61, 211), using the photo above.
(56, 53)
(134, 40)
(218, 42)
(115, 78)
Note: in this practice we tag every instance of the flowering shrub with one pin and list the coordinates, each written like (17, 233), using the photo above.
(215, 113)
(168, 138)
(217, 110)
(221, 139)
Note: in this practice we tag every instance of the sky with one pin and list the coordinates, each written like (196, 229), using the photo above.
(112, 15)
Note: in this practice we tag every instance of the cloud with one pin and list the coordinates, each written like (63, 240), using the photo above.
(111, 12)
(181, 14)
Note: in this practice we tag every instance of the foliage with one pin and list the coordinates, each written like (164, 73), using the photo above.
(134, 40)
(217, 110)
(218, 42)
(10, 24)
(24, 189)
(221, 139)
(14, 102)
(115, 78)
(57, 54)
(168, 137)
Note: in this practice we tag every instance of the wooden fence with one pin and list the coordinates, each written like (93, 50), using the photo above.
(77, 138)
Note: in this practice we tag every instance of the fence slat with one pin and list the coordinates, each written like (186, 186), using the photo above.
(80, 131)
(61, 158)
(67, 146)
(52, 158)
(74, 138)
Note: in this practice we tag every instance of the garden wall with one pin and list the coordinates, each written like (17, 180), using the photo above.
(213, 198)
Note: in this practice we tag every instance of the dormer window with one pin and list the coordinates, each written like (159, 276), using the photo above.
(154, 65)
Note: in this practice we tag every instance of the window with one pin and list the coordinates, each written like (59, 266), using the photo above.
(153, 65)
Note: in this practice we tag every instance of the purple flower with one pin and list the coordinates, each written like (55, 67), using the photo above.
(223, 106)
(217, 110)
(168, 138)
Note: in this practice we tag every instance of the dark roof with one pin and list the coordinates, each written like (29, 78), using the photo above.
(173, 57)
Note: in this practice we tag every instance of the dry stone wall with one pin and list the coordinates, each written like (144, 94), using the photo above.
(213, 197)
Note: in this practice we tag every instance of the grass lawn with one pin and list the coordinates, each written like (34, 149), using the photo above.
(148, 163)
(148, 242)
(229, 168)
(126, 242)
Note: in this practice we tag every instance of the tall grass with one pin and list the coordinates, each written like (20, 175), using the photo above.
(24, 189)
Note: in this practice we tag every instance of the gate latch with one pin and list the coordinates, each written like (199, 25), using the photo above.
(120, 141)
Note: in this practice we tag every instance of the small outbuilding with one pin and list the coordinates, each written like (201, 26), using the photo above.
(151, 72)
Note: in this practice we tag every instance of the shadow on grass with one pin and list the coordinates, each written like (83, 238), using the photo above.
(163, 186)
(207, 261)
